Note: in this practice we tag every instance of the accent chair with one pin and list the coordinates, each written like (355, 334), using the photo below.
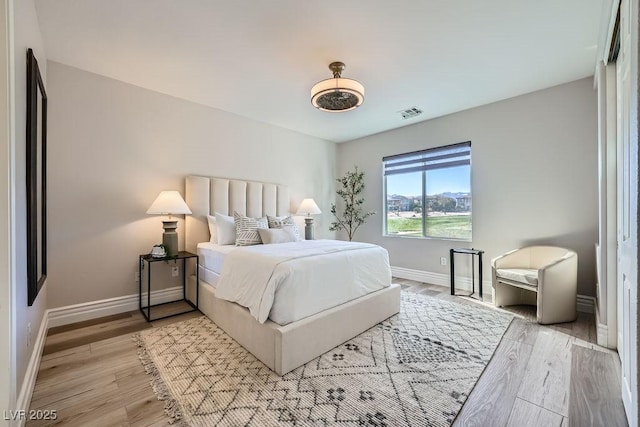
(545, 276)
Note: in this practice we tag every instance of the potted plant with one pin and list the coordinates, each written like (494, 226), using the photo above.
(351, 186)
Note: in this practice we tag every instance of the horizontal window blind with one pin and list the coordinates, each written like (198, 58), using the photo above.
(433, 158)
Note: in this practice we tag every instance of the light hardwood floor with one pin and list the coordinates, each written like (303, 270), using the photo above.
(90, 374)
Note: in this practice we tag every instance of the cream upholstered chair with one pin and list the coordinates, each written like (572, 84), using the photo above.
(545, 276)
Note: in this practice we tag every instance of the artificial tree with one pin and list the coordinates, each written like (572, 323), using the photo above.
(351, 185)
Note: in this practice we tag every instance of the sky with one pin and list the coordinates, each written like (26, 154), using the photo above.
(439, 181)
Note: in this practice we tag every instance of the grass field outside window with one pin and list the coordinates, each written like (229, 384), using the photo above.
(447, 226)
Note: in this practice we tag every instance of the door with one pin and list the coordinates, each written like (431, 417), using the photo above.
(627, 201)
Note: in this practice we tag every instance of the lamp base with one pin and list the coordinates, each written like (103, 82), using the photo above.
(308, 228)
(170, 237)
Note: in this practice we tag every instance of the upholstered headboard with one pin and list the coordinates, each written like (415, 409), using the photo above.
(206, 195)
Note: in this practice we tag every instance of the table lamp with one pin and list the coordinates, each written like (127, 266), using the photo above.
(169, 203)
(308, 207)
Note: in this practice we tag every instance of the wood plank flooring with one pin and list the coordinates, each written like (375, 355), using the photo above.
(592, 388)
(90, 373)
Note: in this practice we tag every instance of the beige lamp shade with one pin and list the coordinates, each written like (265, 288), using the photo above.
(308, 207)
(169, 203)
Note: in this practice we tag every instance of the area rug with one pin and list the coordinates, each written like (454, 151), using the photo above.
(414, 369)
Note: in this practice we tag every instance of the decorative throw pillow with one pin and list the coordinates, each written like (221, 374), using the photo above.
(226, 229)
(277, 235)
(213, 228)
(284, 222)
(247, 229)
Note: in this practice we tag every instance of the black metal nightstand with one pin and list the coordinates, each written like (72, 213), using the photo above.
(473, 252)
(149, 260)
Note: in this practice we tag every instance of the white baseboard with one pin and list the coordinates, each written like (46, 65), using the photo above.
(29, 381)
(585, 304)
(462, 283)
(94, 309)
(602, 334)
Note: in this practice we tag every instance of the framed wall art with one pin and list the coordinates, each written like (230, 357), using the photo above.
(36, 179)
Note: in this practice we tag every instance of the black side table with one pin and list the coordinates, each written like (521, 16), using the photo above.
(149, 260)
(473, 253)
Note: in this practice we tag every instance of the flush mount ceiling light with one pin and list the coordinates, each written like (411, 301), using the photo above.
(337, 94)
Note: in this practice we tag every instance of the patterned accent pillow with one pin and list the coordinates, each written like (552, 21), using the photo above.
(284, 222)
(247, 229)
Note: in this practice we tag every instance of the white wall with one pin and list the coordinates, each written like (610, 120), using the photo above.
(7, 382)
(114, 147)
(26, 35)
(534, 177)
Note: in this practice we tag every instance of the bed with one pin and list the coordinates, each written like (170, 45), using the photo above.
(355, 292)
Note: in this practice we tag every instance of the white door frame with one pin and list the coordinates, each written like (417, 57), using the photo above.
(618, 283)
(7, 214)
(606, 250)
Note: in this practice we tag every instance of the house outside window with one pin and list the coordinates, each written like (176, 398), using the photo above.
(428, 193)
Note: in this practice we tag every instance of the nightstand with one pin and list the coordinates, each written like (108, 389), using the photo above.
(473, 252)
(146, 262)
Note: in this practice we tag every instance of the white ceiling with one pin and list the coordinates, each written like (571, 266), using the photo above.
(259, 58)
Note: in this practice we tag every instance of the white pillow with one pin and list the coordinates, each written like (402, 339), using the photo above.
(226, 229)
(277, 235)
(213, 228)
(284, 222)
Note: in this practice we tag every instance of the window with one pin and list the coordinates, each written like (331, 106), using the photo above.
(428, 193)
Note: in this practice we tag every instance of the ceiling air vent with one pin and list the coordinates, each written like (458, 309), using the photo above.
(410, 113)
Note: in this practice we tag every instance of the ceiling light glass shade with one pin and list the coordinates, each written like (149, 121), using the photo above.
(337, 95)
(308, 207)
(168, 203)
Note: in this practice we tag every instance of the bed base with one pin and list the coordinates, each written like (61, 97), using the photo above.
(284, 348)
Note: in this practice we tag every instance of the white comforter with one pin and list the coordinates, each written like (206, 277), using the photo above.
(289, 281)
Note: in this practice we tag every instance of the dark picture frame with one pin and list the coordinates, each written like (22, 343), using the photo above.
(36, 179)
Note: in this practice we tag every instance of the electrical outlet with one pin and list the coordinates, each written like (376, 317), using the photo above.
(175, 271)
(29, 335)
(443, 260)
(136, 276)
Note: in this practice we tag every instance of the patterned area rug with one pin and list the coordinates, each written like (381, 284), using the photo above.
(415, 369)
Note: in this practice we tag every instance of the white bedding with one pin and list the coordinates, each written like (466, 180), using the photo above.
(210, 277)
(290, 281)
(211, 255)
